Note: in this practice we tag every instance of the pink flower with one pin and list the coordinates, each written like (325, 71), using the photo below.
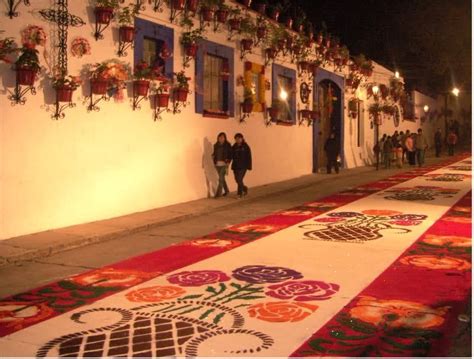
(303, 290)
(197, 278)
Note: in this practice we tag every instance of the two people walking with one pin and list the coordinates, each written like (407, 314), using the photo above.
(239, 155)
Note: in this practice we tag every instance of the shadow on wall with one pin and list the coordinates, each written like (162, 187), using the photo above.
(208, 167)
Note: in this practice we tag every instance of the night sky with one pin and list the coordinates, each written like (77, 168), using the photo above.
(428, 41)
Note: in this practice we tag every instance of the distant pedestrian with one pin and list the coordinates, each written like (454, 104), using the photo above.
(438, 141)
(411, 150)
(399, 155)
(452, 141)
(421, 144)
(222, 157)
(387, 151)
(332, 152)
(403, 141)
(241, 163)
(395, 139)
(381, 143)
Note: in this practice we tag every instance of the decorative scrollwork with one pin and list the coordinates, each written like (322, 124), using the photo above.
(12, 6)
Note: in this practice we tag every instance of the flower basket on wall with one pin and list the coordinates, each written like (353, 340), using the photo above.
(181, 94)
(163, 100)
(65, 87)
(126, 33)
(64, 94)
(103, 15)
(141, 87)
(247, 44)
(26, 76)
(99, 86)
(178, 4)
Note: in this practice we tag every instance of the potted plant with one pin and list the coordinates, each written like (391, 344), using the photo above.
(33, 36)
(7, 48)
(162, 93)
(189, 41)
(181, 87)
(275, 11)
(247, 105)
(65, 86)
(222, 13)
(396, 89)
(208, 8)
(109, 76)
(305, 114)
(261, 6)
(104, 10)
(247, 29)
(27, 66)
(126, 17)
(261, 31)
(177, 4)
(388, 109)
(234, 21)
(192, 6)
(353, 107)
(142, 75)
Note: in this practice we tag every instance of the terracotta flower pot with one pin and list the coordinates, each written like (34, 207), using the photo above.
(274, 15)
(140, 87)
(181, 94)
(261, 32)
(221, 16)
(25, 77)
(178, 4)
(126, 33)
(261, 8)
(191, 50)
(305, 114)
(303, 65)
(234, 24)
(289, 43)
(281, 44)
(207, 14)
(289, 23)
(271, 53)
(247, 107)
(99, 87)
(103, 15)
(192, 5)
(274, 113)
(162, 100)
(64, 94)
(247, 44)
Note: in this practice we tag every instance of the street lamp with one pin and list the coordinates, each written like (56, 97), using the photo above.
(375, 90)
(426, 108)
(397, 74)
(455, 91)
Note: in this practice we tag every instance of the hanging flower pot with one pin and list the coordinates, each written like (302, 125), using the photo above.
(64, 94)
(25, 76)
(299, 28)
(234, 24)
(303, 65)
(103, 15)
(319, 39)
(178, 4)
(274, 113)
(140, 87)
(207, 14)
(126, 33)
(247, 107)
(305, 114)
(221, 16)
(289, 23)
(162, 100)
(281, 44)
(191, 50)
(247, 44)
(261, 32)
(193, 5)
(271, 53)
(181, 94)
(247, 3)
(274, 14)
(99, 86)
(261, 8)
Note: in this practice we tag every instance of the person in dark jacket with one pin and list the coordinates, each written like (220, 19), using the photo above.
(241, 163)
(222, 156)
(332, 151)
(438, 140)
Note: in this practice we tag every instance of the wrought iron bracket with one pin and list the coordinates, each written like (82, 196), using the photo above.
(18, 96)
(59, 111)
(123, 47)
(157, 5)
(174, 13)
(94, 100)
(158, 111)
(99, 29)
(136, 101)
(13, 6)
(178, 106)
(187, 60)
(244, 116)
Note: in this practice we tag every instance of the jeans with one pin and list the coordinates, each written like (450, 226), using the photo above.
(411, 157)
(420, 157)
(438, 150)
(221, 171)
(239, 178)
(332, 162)
(451, 150)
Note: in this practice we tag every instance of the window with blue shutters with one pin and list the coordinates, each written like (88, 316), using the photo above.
(154, 44)
(284, 93)
(214, 80)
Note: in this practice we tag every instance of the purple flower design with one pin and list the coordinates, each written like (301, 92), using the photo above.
(344, 214)
(303, 290)
(411, 217)
(258, 274)
(197, 278)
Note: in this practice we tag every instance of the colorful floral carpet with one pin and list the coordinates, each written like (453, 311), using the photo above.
(379, 270)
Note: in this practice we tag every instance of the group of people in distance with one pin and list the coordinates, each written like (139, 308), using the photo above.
(240, 155)
(410, 147)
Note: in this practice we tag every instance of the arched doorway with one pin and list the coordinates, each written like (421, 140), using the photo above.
(329, 101)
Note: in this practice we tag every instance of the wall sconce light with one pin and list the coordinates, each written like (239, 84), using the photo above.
(426, 108)
(455, 91)
(397, 74)
(375, 90)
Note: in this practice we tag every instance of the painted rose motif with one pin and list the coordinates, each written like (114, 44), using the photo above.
(410, 217)
(344, 214)
(397, 313)
(304, 290)
(281, 312)
(329, 220)
(155, 294)
(214, 243)
(110, 277)
(197, 278)
(259, 274)
(17, 314)
(405, 222)
(380, 212)
(434, 262)
(447, 241)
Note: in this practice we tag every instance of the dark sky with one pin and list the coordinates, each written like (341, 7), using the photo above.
(428, 41)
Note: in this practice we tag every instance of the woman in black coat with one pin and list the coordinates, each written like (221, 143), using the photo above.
(241, 163)
(222, 156)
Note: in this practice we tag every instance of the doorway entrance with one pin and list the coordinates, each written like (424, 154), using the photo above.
(329, 101)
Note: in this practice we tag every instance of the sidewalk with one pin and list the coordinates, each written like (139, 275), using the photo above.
(44, 244)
